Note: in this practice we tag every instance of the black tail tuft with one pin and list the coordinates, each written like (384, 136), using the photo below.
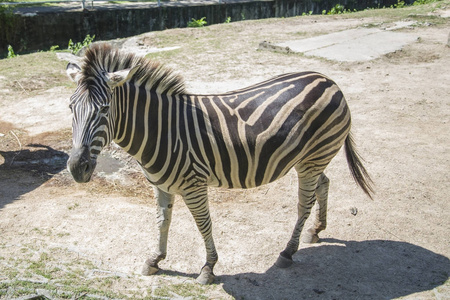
(357, 169)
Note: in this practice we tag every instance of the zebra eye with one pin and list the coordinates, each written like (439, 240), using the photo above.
(104, 109)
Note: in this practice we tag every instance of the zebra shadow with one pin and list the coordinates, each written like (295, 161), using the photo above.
(24, 170)
(334, 269)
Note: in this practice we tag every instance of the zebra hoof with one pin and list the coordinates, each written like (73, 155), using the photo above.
(206, 276)
(284, 260)
(149, 268)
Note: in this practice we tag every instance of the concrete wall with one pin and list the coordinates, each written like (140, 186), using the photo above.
(49, 27)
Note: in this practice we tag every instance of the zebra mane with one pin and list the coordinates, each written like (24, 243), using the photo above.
(102, 57)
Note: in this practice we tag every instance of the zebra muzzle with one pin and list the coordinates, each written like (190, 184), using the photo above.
(80, 164)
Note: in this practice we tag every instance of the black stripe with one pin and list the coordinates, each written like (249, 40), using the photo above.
(191, 131)
(202, 119)
(219, 140)
(139, 122)
(163, 145)
(127, 110)
(150, 146)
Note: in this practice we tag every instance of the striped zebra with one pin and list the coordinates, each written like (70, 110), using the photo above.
(185, 143)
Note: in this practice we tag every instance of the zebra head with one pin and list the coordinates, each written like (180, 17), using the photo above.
(92, 123)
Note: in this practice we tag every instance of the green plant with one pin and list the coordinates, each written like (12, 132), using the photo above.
(75, 47)
(53, 48)
(7, 23)
(227, 20)
(197, 23)
(337, 9)
(11, 53)
(72, 207)
(400, 4)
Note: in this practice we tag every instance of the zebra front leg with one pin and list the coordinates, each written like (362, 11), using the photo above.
(197, 202)
(320, 223)
(164, 217)
(306, 199)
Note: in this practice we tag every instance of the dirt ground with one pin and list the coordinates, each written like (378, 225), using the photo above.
(395, 246)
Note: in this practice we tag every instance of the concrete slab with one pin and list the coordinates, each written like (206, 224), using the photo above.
(326, 40)
(360, 44)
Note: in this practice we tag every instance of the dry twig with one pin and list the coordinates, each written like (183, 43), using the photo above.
(20, 147)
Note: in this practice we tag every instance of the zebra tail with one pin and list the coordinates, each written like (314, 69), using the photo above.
(359, 173)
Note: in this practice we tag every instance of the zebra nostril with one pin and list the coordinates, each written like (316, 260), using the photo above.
(87, 167)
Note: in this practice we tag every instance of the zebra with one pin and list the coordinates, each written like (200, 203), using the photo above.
(185, 143)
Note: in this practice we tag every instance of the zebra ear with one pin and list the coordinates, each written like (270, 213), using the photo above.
(73, 71)
(118, 78)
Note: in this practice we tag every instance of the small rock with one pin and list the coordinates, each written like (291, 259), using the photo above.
(353, 211)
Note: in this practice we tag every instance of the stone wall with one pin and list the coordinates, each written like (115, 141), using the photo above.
(48, 27)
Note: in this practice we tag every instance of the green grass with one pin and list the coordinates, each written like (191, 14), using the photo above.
(184, 290)
(30, 74)
(65, 275)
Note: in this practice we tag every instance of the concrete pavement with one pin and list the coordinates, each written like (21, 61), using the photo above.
(359, 44)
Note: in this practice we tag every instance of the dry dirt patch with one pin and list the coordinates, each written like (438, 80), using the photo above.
(93, 238)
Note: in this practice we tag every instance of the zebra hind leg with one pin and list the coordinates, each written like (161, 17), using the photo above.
(312, 234)
(164, 217)
(306, 199)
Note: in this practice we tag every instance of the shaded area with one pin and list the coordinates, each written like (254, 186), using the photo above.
(375, 269)
(24, 170)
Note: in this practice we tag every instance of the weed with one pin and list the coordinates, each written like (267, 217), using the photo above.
(44, 231)
(197, 23)
(337, 9)
(11, 53)
(227, 20)
(7, 23)
(400, 4)
(72, 207)
(62, 234)
(75, 47)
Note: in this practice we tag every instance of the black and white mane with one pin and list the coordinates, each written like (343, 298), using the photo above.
(102, 57)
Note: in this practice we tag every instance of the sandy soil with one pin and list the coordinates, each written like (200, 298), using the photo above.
(397, 245)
